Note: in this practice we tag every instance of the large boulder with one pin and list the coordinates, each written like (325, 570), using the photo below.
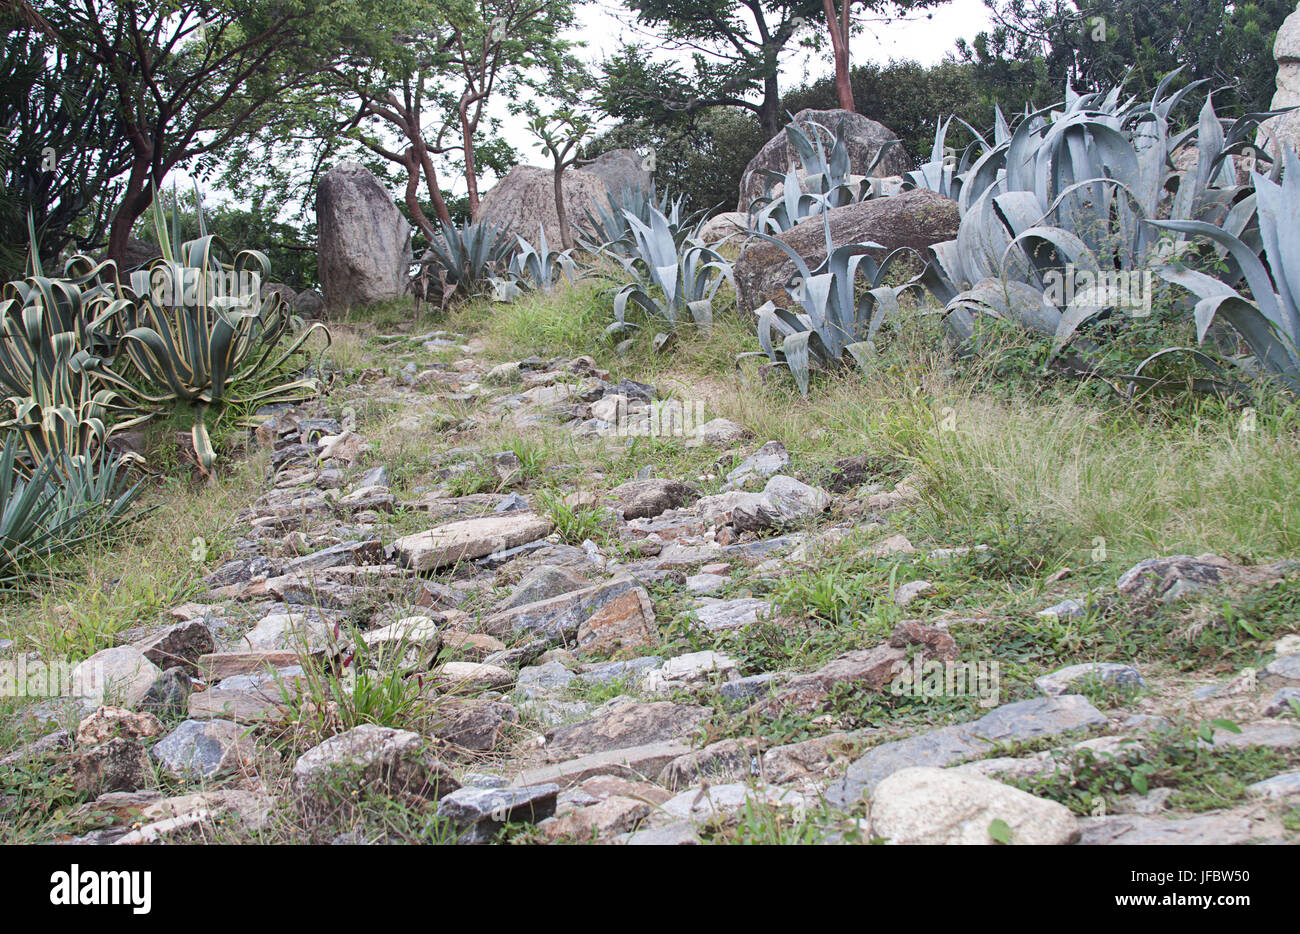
(620, 169)
(364, 241)
(526, 198)
(1284, 131)
(865, 137)
(913, 219)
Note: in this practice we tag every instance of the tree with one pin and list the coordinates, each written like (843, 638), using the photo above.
(186, 80)
(1095, 44)
(61, 147)
(561, 134)
(735, 46)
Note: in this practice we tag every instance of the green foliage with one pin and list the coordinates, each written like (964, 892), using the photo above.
(1200, 775)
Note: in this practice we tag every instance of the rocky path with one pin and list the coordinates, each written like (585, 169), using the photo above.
(466, 649)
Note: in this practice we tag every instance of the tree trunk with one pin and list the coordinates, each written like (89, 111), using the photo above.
(135, 201)
(769, 111)
(413, 193)
(838, 27)
(467, 140)
(431, 181)
(566, 237)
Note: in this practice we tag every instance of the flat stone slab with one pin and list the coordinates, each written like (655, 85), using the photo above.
(1018, 722)
(469, 539)
(635, 762)
(558, 616)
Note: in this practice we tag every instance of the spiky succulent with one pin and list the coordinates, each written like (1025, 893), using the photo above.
(669, 281)
(539, 268)
(833, 320)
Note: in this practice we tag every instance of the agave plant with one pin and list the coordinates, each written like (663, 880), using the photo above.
(53, 333)
(826, 179)
(1070, 189)
(467, 257)
(55, 507)
(201, 333)
(607, 231)
(1268, 316)
(835, 320)
(531, 268)
(669, 281)
(945, 170)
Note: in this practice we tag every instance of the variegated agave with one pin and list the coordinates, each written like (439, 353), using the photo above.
(201, 333)
(532, 269)
(669, 281)
(1267, 315)
(1070, 189)
(54, 336)
(835, 319)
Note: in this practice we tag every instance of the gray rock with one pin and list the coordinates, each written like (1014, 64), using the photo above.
(625, 726)
(483, 811)
(767, 460)
(721, 431)
(784, 501)
(1285, 785)
(942, 806)
(1064, 609)
(543, 583)
(525, 199)
(720, 615)
(537, 680)
(1175, 576)
(1282, 672)
(620, 170)
(122, 673)
(1108, 674)
(746, 689)
(207, 748)
(678, 833)
(1140, 830)
(180, 644)
(398, 764)
(1018, 722)
(470, 538)
(169, 696)
(915, 219)
(645, 499)
(364, 251)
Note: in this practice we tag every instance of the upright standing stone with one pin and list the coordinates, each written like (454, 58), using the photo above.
(1285, 130)
(365, 242)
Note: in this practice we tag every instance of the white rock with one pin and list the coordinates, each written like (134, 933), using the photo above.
(943, 806)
